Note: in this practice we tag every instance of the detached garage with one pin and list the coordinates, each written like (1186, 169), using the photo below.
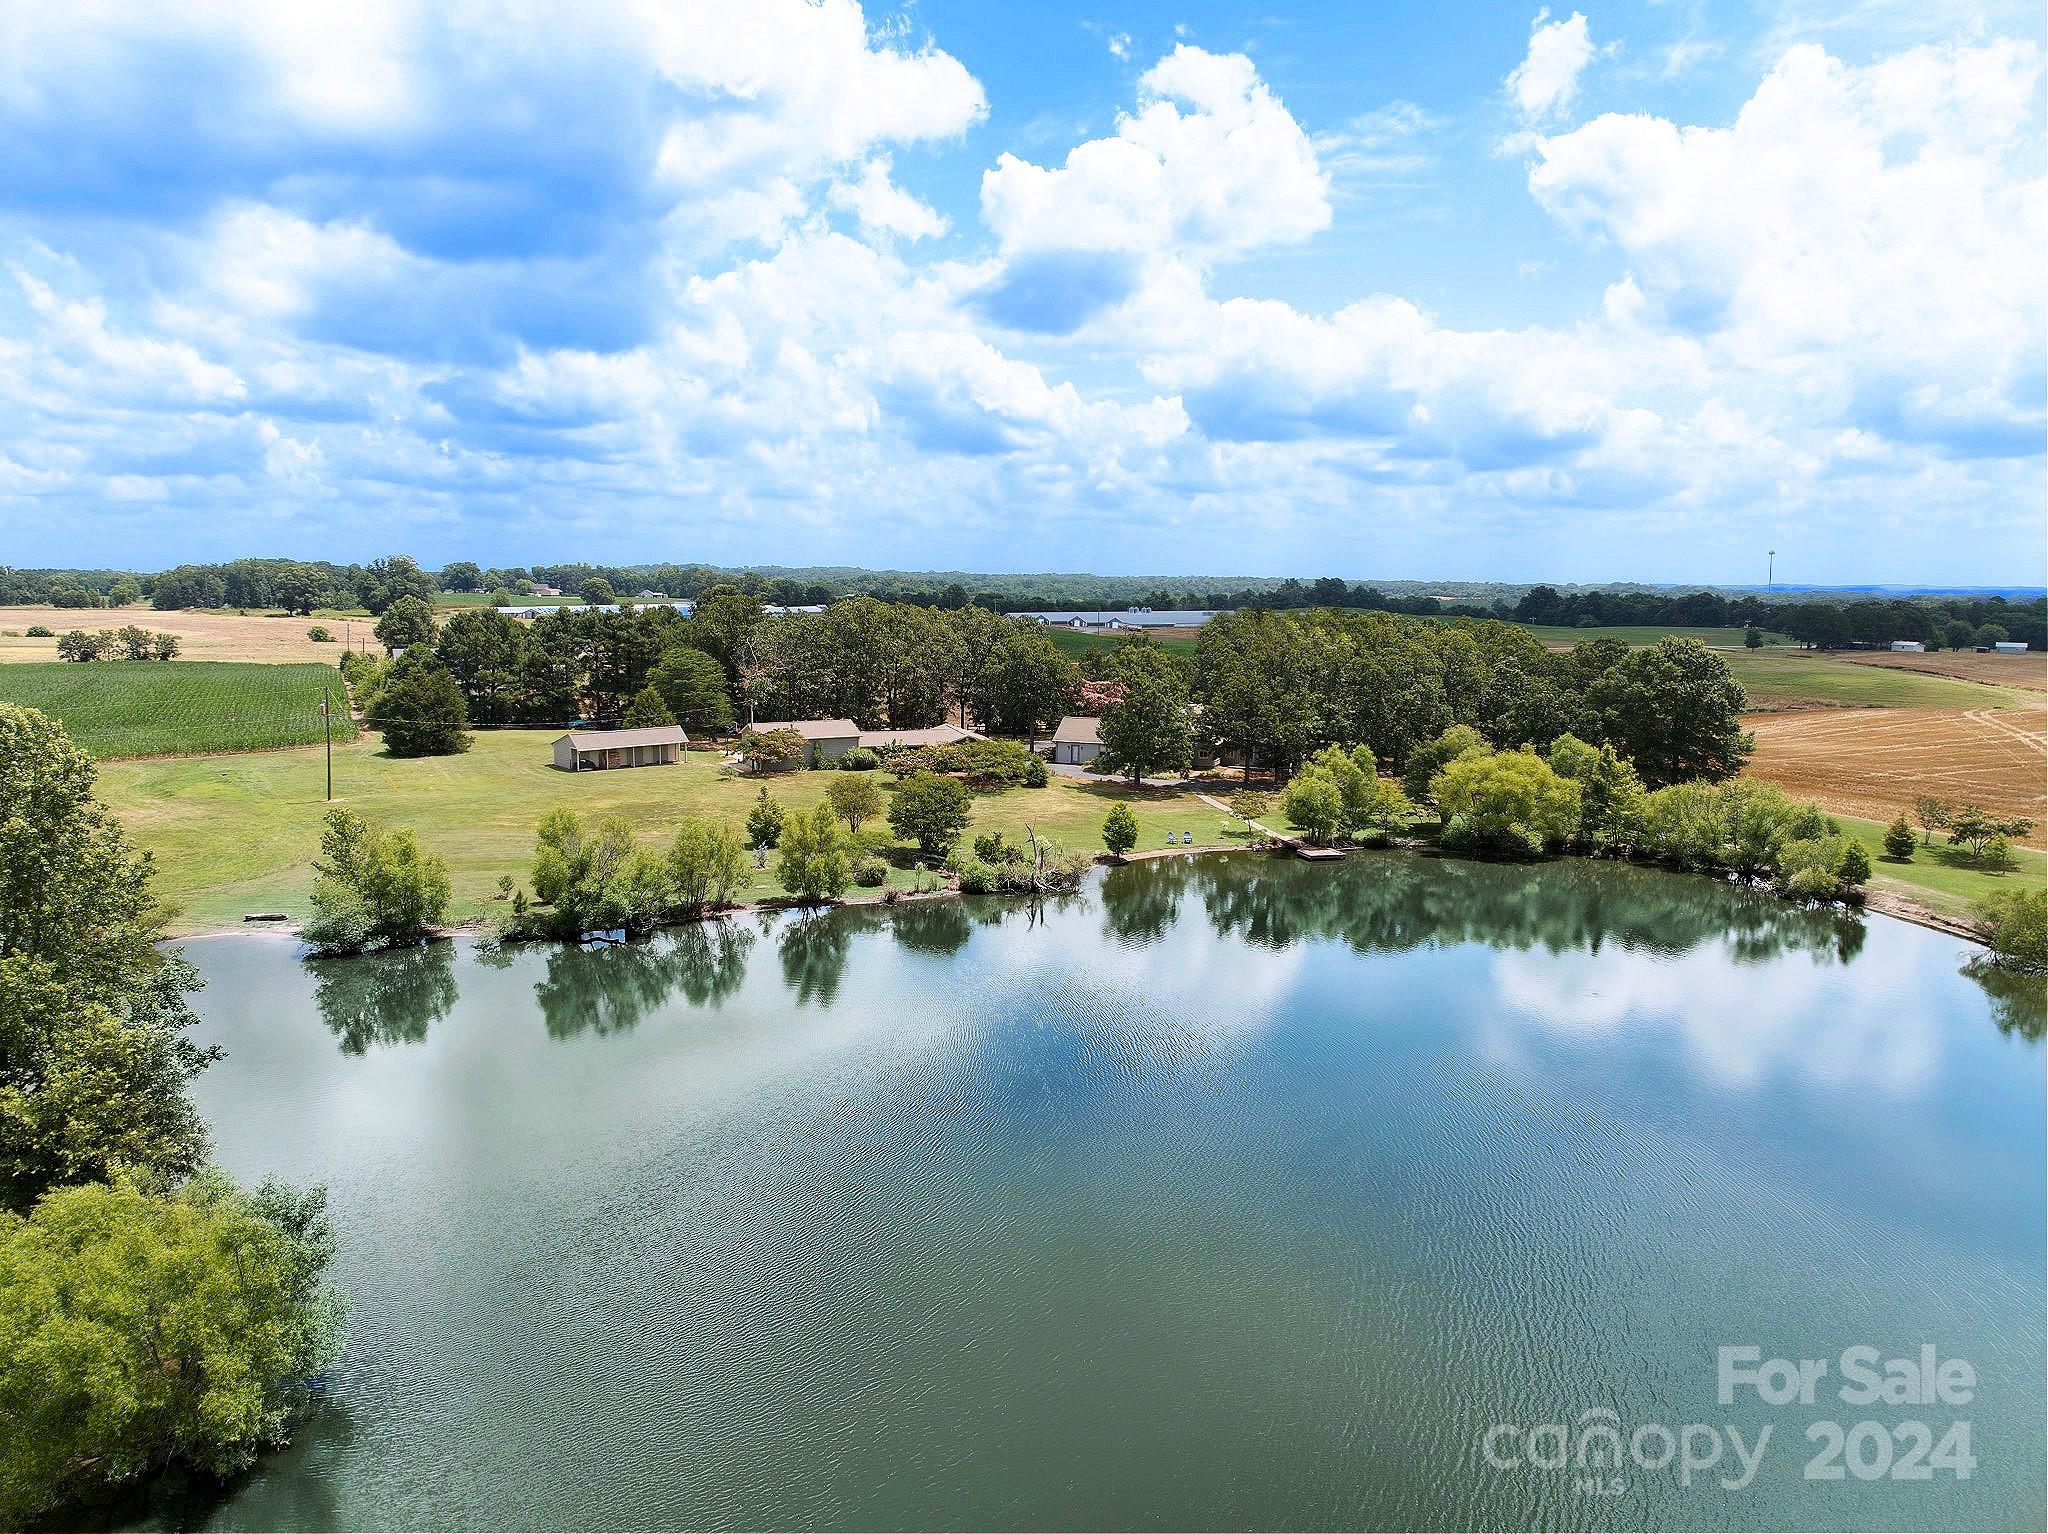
(1078, 740)
(600, 750)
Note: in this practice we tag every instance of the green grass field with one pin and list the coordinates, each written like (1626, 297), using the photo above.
(1942, 877)
(1782, 678)
(1718, 638)
(234, 834)
(178, 708)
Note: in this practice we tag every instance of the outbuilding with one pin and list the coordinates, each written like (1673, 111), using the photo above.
(599, 750)
(937, 735)
(825, 740)
(1908, 647)
(1078, 740)
(2010, 646)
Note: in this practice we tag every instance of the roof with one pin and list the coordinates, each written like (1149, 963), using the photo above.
(1078, 730)
(606, 740)
(810, 729)
(937, 735)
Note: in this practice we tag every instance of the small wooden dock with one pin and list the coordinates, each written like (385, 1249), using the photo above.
(1310, 854)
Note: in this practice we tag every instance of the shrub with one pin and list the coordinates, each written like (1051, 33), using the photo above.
(2016, 926)
(860, 759)
(595, 880)
(1314, 804)
(1899, 840)
(373, 888)
(931, 811)
(870, 872)
(1120, 830)
(40, 631)
(1510, 803)
(764, 822)
(706, 864)
(977, 877)
(811, 859)
(320, 634)
(991, 847)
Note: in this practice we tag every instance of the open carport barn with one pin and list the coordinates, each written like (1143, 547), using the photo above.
(1873, 762)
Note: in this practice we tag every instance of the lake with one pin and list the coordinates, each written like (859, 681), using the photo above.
(1231, 1192)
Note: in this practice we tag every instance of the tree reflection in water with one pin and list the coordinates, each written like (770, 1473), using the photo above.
(813, 949)
(609, 987)
(384, 998)
(2019, 1001)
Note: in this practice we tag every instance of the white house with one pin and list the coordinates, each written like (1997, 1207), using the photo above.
(1078, 740)
(596, 750)
(1909, 646)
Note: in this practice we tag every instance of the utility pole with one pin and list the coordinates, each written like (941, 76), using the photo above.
(1771, 570)
(327, 730)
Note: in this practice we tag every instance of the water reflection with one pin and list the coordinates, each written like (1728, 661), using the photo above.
(813, 949)
(384, 998)
(1395, 902)
(2019, 1002)
(608, 987)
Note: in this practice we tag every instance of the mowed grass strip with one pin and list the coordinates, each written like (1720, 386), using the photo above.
(1805, 679)
(179, 708)
(234, 834)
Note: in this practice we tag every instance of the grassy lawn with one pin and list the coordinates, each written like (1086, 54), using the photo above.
(234, 834)
(1782, 678)
(164, 708)
(1942, 877)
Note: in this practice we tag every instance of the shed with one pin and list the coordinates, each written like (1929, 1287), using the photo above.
(825, 740)
(937, 735)
(2010, 646)
(1908, 646)
(594, 750)
(1078, 740)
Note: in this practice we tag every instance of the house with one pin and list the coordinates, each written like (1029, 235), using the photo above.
(1132, 618)
(541, 590)
(825, 740)
(596, 750)
(1078, 740)
(1909, 647)
(2010, 646)
(937, 735)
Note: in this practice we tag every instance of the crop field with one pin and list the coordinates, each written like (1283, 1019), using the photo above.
(1804, 679)
(201, 635)
(179, 708)
(2024, 673)
(1873, 762)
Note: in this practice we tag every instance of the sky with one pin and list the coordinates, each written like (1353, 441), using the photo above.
(1395, 290)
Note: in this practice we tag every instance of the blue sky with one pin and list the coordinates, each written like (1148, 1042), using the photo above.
(1391, 290)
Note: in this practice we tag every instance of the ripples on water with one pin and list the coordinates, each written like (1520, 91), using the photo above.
(1228, 1193)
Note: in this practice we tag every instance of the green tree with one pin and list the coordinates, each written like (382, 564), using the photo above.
(1611, 795)
(647, 710)
(1314, 804)
(1899, 840)
(1974, 827)
(1120, 830)
(461, 575)
(1509, 802)
(1674, 710)
(1957, 634)
(384, 581)
(140, 1332)
(1933, 814)
(483, 649)
(1431, 757)
(123, 592)
(597, 591)
(1147, 731)
(2016, 926)
(1752, 638)
(594, 879)
(811, 860)
(706, 864)
(769, 750)
(855, 798)
(693, 686)
(764, 822)
(932, 811)
(419, 709)
(406, 622)
(373, 888)
(1853, 868)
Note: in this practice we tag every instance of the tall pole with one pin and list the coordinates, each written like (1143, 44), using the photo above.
(327, 731)
(1771, 570)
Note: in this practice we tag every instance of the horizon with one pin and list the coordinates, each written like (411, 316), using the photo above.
(1624, 293)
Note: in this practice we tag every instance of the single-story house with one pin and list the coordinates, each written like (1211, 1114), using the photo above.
(594, 750)
(1909, 646)
(2010, 646)
(937, 735)
(1123, 618)
(1078, 740)
(825, 740)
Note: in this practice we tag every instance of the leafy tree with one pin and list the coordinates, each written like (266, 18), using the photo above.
(932, 811)
(1247, 806)
(135, 642)
(139, 1332)
(483, 649)
(1675, 711)
(597, 591)
(1992, 633)
(1430, 758)
(1120, 830)
(1611, 794)
(2016, 926)
(1509, 802)
(1899, 840)
(163, 646)
(123, 592)
(420, 710)
(811, 860)
(647, 710)
(1854, 867)
(1957, 634)
(769, 750)
(373, 888)
(706, 864)
(1752, 638)
(406, 622)
(81, 646)
(1974, 827)
(385, 581)
(693, 686)
(764, 822)
(1933, 814)
(1147, 731)
(1315, 804)
(461, 575)
(595, 879)
(855, 799)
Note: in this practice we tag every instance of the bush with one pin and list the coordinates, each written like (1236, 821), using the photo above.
(870, 872)
(860, 759)
(706, 864)
(2016, 926)
(1314, 805)
(1899, 840)
(977, 877)
(1510, 803)
(764, 822)
(373, 888)
(40, 631)
(812, 860)
(320, 634)
(931, 811)
(1120, 830)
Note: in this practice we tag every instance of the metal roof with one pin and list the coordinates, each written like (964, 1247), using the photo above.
(810, 729)
(605, 740)
(1079, 730)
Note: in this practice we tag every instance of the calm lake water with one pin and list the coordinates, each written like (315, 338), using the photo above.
(1230, 1193)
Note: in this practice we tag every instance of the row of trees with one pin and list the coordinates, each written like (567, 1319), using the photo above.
(153, 1316)
(126, 643)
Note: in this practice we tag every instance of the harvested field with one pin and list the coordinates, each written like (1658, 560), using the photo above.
(1873, 762)
(201, 636)
(2027, 672)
